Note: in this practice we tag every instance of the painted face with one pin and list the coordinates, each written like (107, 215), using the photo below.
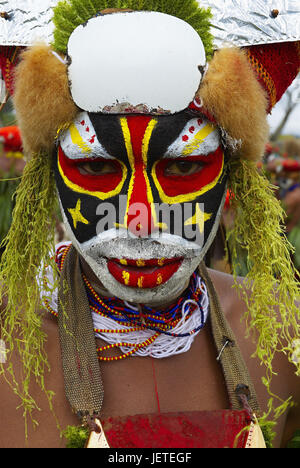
(141, 197)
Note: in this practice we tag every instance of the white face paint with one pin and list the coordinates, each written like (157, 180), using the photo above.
(198, 137)
(138, 62)
(80, 141)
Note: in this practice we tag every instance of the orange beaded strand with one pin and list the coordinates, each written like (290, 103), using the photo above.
(168, 323)
(125, 355)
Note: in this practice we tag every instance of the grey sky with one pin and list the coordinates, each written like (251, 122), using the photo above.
(293, 125)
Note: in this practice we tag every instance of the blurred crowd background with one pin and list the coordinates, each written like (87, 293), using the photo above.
(281, 164)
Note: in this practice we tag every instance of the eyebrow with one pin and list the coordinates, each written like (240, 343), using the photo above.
(167, 139)
(198, 139)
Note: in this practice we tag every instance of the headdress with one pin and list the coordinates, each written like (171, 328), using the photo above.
(239, 85)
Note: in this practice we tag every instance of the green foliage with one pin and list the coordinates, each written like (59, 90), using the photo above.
(295, 441)
(76, 437)
(8, 186)
(269, 434)
(70, 14)
(270, 290)
(29, 246)
(7, 114)
(294, 239)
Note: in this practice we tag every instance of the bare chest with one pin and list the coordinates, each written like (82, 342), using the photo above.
(133, 386)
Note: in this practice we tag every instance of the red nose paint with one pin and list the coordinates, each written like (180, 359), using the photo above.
(198, 429)
(140, 222)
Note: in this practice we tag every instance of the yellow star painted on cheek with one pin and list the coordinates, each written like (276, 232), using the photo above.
(199, 218)
(76, 215)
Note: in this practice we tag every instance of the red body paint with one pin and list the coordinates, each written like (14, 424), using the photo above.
(205, 429)
(140, 191)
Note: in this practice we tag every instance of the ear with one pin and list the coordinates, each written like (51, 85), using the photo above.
(231, 93)
(42, 98)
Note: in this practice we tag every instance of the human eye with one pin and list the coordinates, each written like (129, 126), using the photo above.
(97, 167)
(183, 168)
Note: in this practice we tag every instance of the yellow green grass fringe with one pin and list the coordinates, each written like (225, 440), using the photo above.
(29, 246)
(272, 310)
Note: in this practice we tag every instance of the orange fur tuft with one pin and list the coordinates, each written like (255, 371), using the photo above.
(42, 98)
(231, 93)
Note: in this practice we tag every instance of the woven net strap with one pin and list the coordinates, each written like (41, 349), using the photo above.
(82, 375)
(238, 381)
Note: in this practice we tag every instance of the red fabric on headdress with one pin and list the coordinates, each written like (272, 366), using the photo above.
(276, 66)
(11, 139)
(9, 56)
(197, 106)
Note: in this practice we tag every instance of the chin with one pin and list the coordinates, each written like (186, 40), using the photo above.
(176, 266)
(150, 271)
(165, 292)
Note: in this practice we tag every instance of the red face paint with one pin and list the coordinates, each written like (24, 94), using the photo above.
(174, 186)
(139, 190)
(90, 183)
(143, 274)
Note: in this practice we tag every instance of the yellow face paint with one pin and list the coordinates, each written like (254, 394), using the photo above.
(198, 139)
(77, 140)
(126, 277)
(145, 147)
(76, 215)
(198, 219)
(141, 282)
(159, 280)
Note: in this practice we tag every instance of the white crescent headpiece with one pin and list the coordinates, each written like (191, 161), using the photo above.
(145, 62)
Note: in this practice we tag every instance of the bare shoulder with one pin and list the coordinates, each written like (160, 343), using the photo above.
(226, 289)
(285, 383)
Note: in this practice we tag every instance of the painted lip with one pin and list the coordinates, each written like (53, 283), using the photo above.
(143, 274)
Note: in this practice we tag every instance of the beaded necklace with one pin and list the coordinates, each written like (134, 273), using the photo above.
(158, 333)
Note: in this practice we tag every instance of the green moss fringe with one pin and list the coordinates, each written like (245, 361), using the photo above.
(295, 441)
(29, 245)
(8, 185)
(272, 313)
(68, 15)
(269, 434)
(76, 437)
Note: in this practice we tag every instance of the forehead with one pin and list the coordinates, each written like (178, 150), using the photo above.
(179, 135)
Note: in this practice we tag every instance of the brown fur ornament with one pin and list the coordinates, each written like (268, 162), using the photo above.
(42, 98)
(231, 93)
